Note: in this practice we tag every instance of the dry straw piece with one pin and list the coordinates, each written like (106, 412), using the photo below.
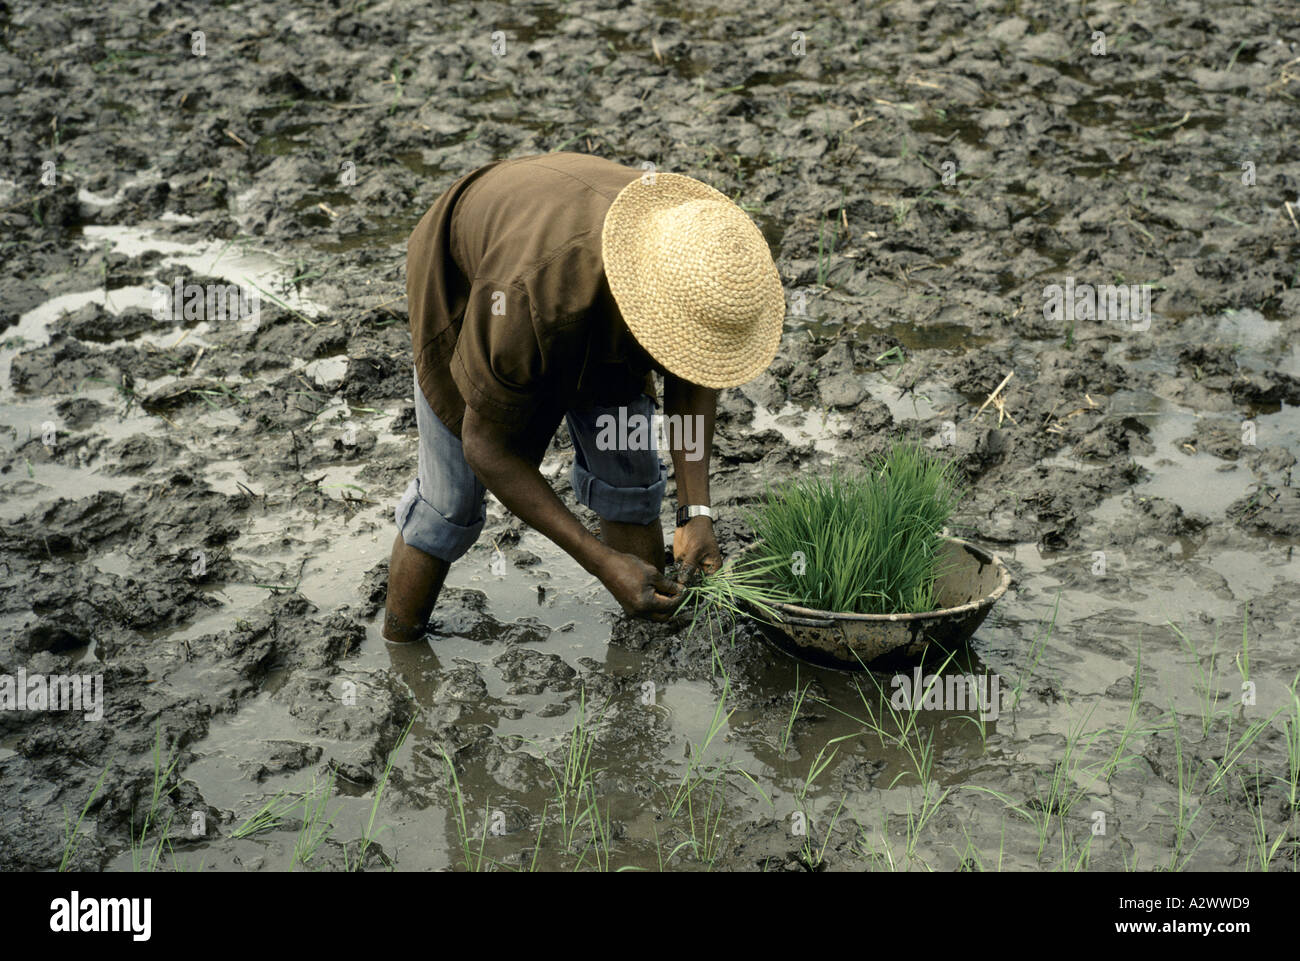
(693, 279)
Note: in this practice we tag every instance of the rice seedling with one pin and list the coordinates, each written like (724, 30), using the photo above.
(706, 834)
(902, 719)
(242, 239)
(894, 357)
(281, 304)
(268, 817)
(800, 693)
(317, 821)
(970, 859)
(701, 792)
(915, 823)
(693, 777)
(1078, 856)
(71, 832)
(864, 544)
(1034, 655)
(1264, 852)
(1065, 789)
(897, 727)
(1119, 758)
(819, 765)
(1206, 672)
(575, 797)
(978, 721)
(143, 859)
(659, 851)
(472, 860)
(1291, 729)
(865, 847)
(1035, 814)
(931, 800)
(369, 836)
(1243, 658)
(574, 788)
(586, 809)
(124, 387)
(220, 390)
(1233, 751)
(537, 845)
(1188, 809)
(702, 797)
(599, 844)
(921, 754)
(814, 857)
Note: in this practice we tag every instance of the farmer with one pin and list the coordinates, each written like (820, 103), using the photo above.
(552, 287)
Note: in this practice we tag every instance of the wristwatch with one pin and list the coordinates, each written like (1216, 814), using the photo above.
(684, 514)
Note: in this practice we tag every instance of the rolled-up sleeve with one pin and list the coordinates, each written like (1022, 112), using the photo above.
(497, 363)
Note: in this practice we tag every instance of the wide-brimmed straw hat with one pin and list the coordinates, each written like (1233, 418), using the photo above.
(693, 279)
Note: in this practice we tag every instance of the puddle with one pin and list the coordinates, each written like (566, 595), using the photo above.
(1260, 343)
(801, 425)
(928, 400)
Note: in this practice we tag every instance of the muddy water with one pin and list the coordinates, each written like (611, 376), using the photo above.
(209, 526)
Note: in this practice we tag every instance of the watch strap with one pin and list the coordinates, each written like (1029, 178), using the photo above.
(686, 512)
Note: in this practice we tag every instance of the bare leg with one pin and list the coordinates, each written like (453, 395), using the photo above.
(414, 582)
(643, 541)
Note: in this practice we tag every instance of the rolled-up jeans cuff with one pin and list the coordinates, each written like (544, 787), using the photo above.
(623, 505)
(424, 528)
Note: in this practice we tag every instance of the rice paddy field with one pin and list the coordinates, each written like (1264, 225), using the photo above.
(198, 511)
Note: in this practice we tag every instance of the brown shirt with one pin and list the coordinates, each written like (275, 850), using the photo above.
(510, 310)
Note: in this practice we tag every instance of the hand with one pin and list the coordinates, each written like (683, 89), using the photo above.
(695, 548)
(640, 588)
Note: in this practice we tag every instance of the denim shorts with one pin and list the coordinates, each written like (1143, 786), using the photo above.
(442, 512)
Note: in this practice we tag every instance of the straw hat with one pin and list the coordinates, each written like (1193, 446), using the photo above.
(693, 279)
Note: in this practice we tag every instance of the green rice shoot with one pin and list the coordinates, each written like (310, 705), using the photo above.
(738, 588)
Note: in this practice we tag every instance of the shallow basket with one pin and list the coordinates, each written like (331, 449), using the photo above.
(971, 583)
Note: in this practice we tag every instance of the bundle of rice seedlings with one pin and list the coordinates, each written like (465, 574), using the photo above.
(865, 543)
(747, 587)
(862, 543)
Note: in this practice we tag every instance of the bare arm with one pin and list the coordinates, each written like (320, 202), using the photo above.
(493, 454)
(694, 546)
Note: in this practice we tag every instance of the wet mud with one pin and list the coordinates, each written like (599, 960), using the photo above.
(199, 510)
